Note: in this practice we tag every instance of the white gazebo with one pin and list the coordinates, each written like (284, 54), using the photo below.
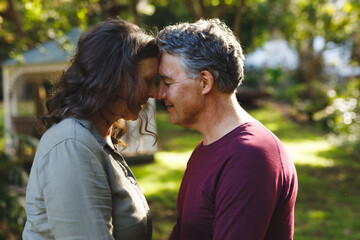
(34, 73)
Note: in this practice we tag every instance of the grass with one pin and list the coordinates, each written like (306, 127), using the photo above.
(327, 206)
(329, 187)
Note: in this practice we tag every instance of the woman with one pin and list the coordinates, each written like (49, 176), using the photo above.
(80, 186)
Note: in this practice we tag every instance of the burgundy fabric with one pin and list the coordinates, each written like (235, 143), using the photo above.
(243, 186)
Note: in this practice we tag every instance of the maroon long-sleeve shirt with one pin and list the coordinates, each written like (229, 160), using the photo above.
(243, 186)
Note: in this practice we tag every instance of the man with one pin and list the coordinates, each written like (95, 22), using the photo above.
(239, 182)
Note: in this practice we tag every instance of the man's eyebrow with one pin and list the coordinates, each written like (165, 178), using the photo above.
(163, 77)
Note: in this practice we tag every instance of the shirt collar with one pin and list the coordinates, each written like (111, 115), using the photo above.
(86, 123)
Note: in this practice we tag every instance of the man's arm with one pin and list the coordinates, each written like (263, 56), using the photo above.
(246, 197)
(175, 234)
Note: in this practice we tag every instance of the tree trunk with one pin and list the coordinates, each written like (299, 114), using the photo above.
(134, 11)
(12, 14)
(310, 72)
(111, 9)
(221, 10)
(238, 17)
(194, 9)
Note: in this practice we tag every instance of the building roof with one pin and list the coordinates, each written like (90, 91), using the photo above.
(49, 51)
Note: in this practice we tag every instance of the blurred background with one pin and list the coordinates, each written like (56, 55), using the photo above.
(302, 80)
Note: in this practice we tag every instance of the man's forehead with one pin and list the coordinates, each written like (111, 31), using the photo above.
(169, 58)
(169, 65)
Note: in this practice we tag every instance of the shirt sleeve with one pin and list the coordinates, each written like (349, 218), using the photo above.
(245, 197)
(76, 192)
(175, 234)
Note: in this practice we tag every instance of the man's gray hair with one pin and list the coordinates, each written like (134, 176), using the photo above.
(206, 45)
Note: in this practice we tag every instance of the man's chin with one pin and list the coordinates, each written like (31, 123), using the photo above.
(173, 121)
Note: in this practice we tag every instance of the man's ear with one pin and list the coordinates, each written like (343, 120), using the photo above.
(206, 82)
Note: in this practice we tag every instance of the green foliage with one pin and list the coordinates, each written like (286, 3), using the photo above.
(32, 22)
(253, 78)
(12, 213)
(342, 115)
(166, 14)
(311, 105)
(255, 23)
(300, 22)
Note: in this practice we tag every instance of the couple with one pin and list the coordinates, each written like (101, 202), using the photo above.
(239, 182)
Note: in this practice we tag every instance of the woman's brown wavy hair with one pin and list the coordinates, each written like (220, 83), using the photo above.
(104, 65)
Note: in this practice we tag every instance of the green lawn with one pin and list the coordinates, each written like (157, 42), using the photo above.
(328, 205)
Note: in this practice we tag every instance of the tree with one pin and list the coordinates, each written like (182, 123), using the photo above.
(335, 22)
(249, 19)
(27, 23)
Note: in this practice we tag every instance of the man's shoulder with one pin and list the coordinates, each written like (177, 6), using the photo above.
(251, 140)
(255, 133)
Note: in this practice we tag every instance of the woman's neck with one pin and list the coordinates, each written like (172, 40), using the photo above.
(103, 126)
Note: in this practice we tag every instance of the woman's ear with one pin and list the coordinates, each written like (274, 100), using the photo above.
(206, 82)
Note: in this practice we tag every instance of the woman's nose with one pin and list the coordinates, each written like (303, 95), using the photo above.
(153, 92)
(160, 91)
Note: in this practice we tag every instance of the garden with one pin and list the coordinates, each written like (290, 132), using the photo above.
(302, 81)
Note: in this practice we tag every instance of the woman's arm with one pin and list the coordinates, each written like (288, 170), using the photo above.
(76, 192)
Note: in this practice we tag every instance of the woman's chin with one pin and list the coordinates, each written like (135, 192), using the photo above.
(133, 116)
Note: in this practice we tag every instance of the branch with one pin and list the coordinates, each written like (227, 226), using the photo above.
(238, 17)
(221, 10)
(111, 9)
(13, 14)
(194, 9)
(134, 11)
(203, 10)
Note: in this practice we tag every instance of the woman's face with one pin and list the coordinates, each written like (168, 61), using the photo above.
(147, 72)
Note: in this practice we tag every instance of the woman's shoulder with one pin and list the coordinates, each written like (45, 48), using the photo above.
(69, 129)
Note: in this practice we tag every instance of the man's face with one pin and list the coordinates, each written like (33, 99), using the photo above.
(182, 96)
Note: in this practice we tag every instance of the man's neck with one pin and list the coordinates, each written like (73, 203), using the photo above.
(221, 116)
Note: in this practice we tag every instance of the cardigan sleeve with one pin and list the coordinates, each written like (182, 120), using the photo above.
(76, 192)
